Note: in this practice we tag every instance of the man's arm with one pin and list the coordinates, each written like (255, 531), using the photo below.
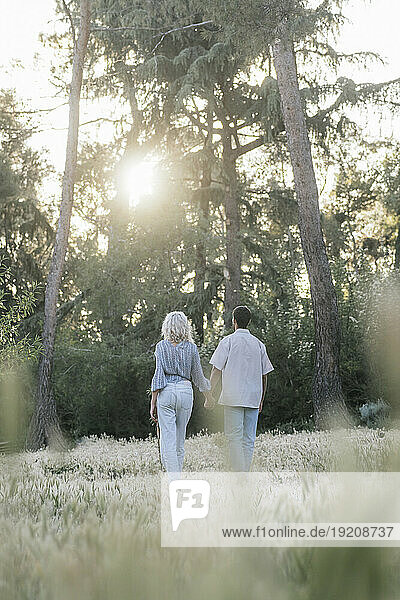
(215, 378)
(267, 367)
(219, 358)
(264, 379)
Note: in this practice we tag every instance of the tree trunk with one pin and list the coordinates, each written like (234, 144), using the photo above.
(397, 251)
(327, 394)
(44, 427)
(201, 251)
(202, 300)
(233, 241)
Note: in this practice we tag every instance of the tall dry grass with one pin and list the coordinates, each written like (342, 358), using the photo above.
(84, 525)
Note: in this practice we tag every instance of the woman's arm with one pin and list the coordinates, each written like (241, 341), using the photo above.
(153, 406)
(157, 383)
(197, 374)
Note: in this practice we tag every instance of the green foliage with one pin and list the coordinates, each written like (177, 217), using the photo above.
(103, 388)
(256, 22)
(15, 349)
(25, 231)
(18, 354)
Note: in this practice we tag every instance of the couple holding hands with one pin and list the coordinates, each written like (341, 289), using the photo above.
(240, 361)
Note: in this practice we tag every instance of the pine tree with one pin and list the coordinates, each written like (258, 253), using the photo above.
(44, 427)
(180, 66)
(328, 396)
(278, 24)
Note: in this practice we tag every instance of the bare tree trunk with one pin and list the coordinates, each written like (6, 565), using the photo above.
(201, 252)
(397, 251)
(327, 394)
(233, 242)
(202, 301)
(44, 427)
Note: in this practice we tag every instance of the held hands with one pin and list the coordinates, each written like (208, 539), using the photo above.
(210, 400)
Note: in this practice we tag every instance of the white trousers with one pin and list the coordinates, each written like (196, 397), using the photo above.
(174, 407)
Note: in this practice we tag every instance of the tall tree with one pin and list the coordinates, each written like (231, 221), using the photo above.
(276, 24)
(327, 392)
(203, 193)
(44, 427)
(197, 66)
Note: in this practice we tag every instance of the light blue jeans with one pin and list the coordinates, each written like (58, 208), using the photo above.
(240, 424)
(174, 407)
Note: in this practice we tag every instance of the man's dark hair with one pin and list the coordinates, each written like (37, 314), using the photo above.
(242, 316)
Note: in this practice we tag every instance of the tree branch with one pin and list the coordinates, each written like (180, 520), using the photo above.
(352, 93)
(33, 112)
(165, 33)
(248, 147)
(133, 28)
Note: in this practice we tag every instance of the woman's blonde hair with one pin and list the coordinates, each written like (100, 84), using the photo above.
(176, 327)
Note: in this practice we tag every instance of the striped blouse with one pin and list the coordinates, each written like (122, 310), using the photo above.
(177, 363)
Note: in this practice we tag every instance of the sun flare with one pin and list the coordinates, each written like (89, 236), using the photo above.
(138, 180)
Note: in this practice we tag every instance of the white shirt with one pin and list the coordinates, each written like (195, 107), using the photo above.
(243, 360)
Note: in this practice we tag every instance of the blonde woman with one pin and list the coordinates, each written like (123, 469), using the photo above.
(177, 365)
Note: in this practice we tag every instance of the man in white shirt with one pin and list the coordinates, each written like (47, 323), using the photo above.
(242, 361)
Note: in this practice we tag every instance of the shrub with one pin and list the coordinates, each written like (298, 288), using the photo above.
(374, 414)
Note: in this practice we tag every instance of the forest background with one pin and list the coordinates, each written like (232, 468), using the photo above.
(149, 226)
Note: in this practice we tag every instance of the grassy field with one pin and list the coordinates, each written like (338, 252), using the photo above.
(84, 525)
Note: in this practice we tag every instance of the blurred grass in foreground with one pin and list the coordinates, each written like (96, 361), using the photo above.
(84, 525)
